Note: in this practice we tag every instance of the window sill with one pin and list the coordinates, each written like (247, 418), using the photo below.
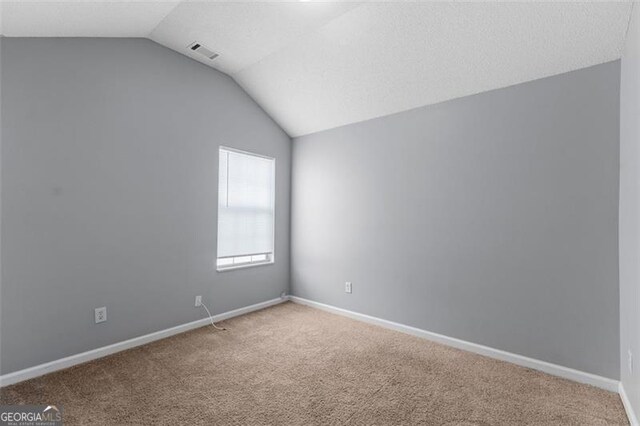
(248, 265)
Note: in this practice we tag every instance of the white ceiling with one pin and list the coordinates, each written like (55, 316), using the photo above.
(243, 33)
(83, 18)
(318, 65)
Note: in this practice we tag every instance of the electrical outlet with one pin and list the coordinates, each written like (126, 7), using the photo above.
(101, 314)
(347, 287)
(630, 360)
(198, 301)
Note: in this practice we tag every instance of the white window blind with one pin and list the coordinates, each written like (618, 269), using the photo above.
(246, 207)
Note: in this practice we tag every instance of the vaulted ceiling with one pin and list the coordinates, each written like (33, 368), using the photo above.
(317, 65)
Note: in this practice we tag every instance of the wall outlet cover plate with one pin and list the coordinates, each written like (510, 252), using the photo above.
(100, 314)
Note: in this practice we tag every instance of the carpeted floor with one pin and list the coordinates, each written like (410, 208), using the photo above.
(291, 364)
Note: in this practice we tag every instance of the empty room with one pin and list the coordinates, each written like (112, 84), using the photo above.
(319, 212)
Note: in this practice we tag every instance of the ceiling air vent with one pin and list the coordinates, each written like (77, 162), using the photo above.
(198, 47)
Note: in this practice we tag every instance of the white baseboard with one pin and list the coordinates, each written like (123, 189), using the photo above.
(49, 367)
(633, 419)
(556, 370)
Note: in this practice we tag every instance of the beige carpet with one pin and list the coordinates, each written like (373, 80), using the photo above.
(291, 364)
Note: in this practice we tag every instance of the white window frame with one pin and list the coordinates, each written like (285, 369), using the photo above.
(240, 262)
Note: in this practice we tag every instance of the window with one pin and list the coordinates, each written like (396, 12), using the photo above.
(246, 209)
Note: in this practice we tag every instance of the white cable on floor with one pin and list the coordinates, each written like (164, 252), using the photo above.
(211, 318)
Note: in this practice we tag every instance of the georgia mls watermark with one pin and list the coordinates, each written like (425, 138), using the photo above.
(30, 415)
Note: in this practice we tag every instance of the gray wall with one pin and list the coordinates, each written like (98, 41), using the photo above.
(109, 193)
(0, 204)
(492, 218)
(630, 210)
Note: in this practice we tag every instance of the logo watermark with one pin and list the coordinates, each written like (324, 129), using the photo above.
(30, 415)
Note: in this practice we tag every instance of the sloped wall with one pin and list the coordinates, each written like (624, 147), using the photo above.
(109, 193)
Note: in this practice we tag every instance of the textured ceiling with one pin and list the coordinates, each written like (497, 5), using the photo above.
(82, 18)
(318, 65)
(243, 33)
